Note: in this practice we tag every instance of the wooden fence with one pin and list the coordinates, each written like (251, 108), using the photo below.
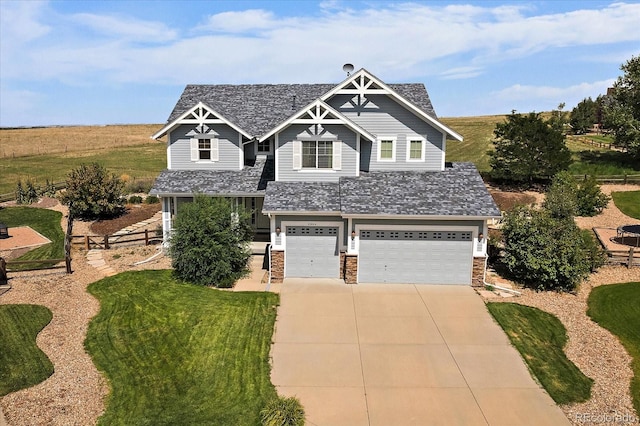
(629, 257)
(624, 179)
(10, 196)
(107, 241)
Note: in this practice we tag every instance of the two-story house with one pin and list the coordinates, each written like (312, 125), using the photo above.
(349, 180)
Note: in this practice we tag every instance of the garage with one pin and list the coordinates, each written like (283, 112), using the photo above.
(312, 252)
(415, 257)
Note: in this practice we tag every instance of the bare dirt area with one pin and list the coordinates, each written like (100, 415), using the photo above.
(597, 352)
(507, 200)
(134, 213)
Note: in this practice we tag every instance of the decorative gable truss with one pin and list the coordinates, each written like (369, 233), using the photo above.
(200, 115)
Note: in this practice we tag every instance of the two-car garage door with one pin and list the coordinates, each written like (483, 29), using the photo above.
(415, 257)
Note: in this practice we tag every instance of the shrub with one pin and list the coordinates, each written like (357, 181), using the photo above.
(151, 199)
(93, 193)
(283, 411)
(135, 199)
(561, 200)
(138, 186)
(591, 200)
(209, 244)
(27, 193)
(49, 189)
(542, 251)
(19, 193)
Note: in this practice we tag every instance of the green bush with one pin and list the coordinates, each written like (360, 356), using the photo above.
(591, 201)
(542, 251)
(209, 244)
(135, 199)
(283, 411)
(93, 193)
(561, 200)
(151, 199)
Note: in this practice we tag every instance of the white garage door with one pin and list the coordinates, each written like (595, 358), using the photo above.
(312, 252)
(415, 257)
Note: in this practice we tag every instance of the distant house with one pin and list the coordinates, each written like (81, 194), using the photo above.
(347, 181)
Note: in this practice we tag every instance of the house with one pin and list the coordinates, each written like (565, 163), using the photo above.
(345, 181)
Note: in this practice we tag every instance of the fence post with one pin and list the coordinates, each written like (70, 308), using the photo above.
(86, 242)
(67, 261)
(146, 237)
(106, 242)
(630, 262)
(625, 178)
(3, 271)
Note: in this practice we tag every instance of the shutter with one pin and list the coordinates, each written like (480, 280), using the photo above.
(195, 154)
(297, 155)
(337, 155)
(214, 150)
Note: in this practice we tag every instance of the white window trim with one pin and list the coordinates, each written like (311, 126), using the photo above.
(269, 152)
(394, 139)
(336, 156)
(195, 150)
(422, 154)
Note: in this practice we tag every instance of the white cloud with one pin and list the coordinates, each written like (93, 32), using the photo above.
(461, 72)
(241, 22)
(125, 27)
(18, 106)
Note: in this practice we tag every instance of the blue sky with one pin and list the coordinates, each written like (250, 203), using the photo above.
(107, 62)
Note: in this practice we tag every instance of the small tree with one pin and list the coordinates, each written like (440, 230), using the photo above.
(209, 243)
(527, 148)
(561, 200)
(591, 200)
(93, 193)
(583, 116)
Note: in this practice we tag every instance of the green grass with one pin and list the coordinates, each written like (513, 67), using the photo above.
(22, 363)
(143, 161)
(478, 137)
(478, 140)
(46, 222)
(540, 338)
(176, 353)
(628, 202)
(617, 308)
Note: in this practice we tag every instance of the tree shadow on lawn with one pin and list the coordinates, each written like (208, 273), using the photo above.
(612, 159)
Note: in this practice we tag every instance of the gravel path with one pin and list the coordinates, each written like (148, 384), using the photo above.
(597, 352)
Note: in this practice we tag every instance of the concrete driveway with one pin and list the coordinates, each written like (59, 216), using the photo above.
(401, 355)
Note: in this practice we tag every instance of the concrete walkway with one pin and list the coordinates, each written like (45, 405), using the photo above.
(401, 355)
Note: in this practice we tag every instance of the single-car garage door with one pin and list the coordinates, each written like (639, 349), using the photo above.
(415, 257)
(312, 252)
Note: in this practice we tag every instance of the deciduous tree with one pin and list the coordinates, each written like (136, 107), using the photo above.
(583, 116)
(622, 108)
(93, 193)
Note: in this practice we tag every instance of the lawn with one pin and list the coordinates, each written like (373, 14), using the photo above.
(22, 363)
(140, 161)
(176, 353)
(628, 202)
(46, 222)
(617, 308)
(540, 338)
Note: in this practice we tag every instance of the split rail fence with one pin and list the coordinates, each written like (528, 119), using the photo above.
(107, 241)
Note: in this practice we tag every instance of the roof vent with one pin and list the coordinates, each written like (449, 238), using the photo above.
(348, 68)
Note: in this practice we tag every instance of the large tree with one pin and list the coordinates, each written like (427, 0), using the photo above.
(209, 243)
(527, 148)
(583, 116)
(622, 108)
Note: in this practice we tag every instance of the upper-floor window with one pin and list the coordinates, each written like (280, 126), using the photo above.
(387, 149)
(317, 154)
(264, 147)
(204, 149)
(415, 149)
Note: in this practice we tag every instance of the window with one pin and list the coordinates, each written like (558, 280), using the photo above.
(317, 154)
(415, 149)
(387, 149)
(204, 149)
(264, 147)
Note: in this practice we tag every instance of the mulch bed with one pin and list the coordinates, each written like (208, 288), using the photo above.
(134, 213)
(508, 200)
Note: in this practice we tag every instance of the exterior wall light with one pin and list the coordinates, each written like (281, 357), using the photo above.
(278, 231)
(480, 236)
(353, 235)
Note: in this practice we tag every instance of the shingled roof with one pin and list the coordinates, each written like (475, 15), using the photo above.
(257, 108)
(251, 180)
(302, 197)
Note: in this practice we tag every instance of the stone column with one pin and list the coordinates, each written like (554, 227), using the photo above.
(277, 266)
(477, 275)
(351, 269)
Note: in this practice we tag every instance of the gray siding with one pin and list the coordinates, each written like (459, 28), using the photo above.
(284, 166)
(228, 149)
(383, 116)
